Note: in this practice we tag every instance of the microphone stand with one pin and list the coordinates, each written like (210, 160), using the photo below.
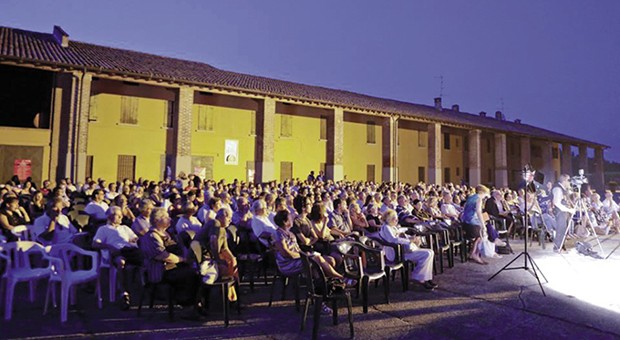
(532, 268)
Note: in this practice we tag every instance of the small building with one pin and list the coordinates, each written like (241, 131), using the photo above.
(74, 109)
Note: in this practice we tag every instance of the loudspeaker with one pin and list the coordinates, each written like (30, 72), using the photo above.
(539, 177)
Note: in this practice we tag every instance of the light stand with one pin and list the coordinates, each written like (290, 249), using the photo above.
(528, 263)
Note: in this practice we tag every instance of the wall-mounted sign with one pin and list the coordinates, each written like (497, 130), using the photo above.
(231, 152)
(22, 168)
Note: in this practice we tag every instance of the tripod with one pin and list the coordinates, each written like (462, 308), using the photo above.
(528, 263)
(580, 206)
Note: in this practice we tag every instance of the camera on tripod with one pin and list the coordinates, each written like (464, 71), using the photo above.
(579, 180)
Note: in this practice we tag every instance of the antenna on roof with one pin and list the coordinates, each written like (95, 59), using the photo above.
(440, 85)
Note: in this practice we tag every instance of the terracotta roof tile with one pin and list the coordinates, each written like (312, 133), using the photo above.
(28, 46)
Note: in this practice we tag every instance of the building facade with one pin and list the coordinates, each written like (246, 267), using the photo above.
(80, 110)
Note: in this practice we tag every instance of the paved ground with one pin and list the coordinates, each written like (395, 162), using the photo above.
(466, 306)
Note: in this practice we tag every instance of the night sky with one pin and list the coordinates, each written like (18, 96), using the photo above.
(554, 64)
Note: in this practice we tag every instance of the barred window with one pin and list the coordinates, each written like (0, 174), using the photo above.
(286, 171)
(169, 114)
(129, 110)
(370, 172)
(370, 132)
(422, 139)
(205, 118)
(126, 167)
(92, 110)
(286, 126)
(323, 133)
(253, 123)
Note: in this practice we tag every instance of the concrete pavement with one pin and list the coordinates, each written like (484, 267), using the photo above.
(582, 303)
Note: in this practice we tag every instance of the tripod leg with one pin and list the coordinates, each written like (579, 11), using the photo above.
(527, 256)
(505, 267)
(536, 268)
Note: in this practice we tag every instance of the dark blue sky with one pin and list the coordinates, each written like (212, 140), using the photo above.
(555, 64)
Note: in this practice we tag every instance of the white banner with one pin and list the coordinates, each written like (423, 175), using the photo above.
(231, 152)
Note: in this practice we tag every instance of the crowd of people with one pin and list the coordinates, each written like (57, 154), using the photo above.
(151, 224)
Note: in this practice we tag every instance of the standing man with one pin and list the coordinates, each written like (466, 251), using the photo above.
(563, 213)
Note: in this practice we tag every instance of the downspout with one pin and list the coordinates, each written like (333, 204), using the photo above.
(78, 118)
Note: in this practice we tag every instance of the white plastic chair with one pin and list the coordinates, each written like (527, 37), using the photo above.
(22, 232)
(69, 278)
(106, 263)
(19, 269)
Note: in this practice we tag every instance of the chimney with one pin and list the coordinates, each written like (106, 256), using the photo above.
(61, 37)
(438, 103)
(482, 114)
(499, 115)
(455, 108)
(518, 121)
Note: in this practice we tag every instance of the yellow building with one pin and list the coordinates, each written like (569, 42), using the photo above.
(79, 110)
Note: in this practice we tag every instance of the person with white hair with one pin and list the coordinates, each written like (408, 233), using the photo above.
(262, 226)
(122, 244)
(421, 257)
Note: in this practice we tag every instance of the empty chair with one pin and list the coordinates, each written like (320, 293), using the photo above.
(20, 268)
(68, 276)
(319, 291)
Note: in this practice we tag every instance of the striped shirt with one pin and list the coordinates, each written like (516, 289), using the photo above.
(154, 244)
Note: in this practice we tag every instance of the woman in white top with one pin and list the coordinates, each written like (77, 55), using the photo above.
(188, 221)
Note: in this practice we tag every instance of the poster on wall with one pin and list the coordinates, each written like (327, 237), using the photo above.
(231, 152)
(22, 168)
(200, 171)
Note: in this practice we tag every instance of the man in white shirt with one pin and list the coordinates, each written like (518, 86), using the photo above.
(53, 227)
(448, 208)
(262, 227)
(121, 242)
(421, 257)
(97, 208)
(563, 213)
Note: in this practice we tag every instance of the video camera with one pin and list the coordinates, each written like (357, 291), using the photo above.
(578, 181)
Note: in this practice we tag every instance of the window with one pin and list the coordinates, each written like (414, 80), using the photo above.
(286, 171)
(370, 132)
(489, 175)
(446, 141)
(205, 118)
(555, 153)
(253, 123)
(457, 141)
(422, 139)
(421, 174)
(458, 171)
(129, 110)
(92, 111)
(370, 172)
(89, 166)
(536, 151)
(286, 126)
(512, 148)
(323, 133)
(446, 175)
(169, 114)
(488, 145)
(203, 166)
(467, 174)
(126, 167)
(466, 143)
(251, 171)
